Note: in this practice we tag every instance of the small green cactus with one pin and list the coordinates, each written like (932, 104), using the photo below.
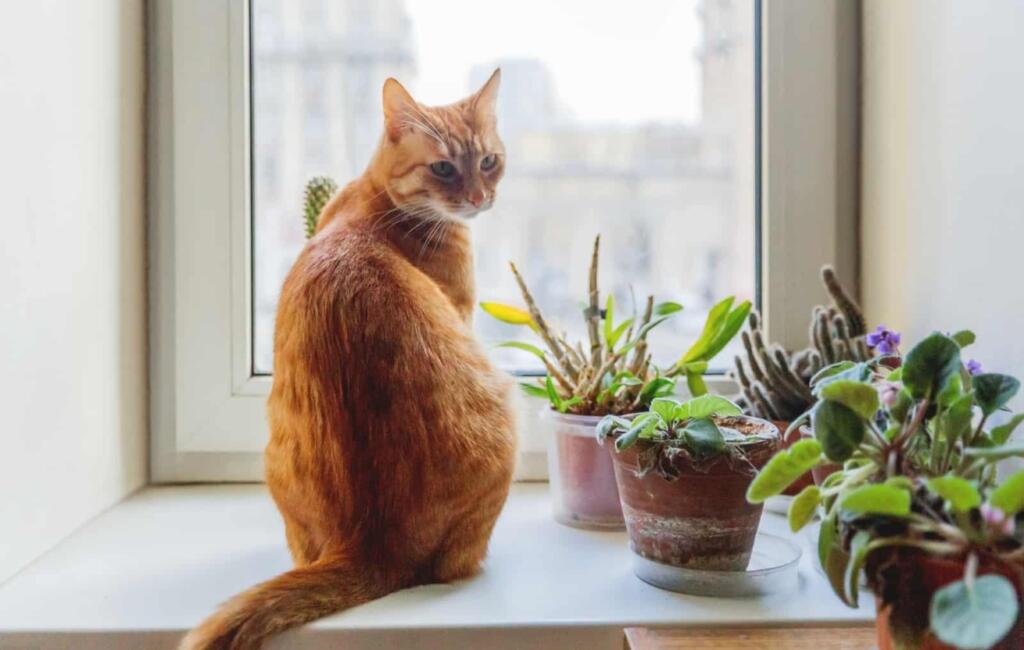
(776, 384)
(319, 191)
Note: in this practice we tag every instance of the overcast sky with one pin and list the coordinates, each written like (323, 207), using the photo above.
(611, 61)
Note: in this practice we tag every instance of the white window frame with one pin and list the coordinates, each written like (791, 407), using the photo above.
(208, 410)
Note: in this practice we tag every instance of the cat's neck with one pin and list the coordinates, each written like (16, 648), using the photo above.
(442, 249)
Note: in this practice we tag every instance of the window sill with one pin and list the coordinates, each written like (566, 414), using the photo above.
(153, 566)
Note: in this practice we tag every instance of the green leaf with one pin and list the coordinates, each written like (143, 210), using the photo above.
(834, 560)
(618, 332)
(533, 390)
(657, 387)
(703, 437)
(831, 370)
(525, 347)
(953, 390)
(930, 365)
(1009, 496)
(976, 617)
(713, 323)
(705, 406)
(553, 396)
(803, 507)
(785, 467)
(859, 549)
(877, 499)
(635, 431)
(955, 421)
(666, 408)
(507, 313)
(666, 308)
(609, 424)
(992, 391)
(960, 494)
(642, 333)
(839, 429)
(1003, 432)
(860, 398)
(732, 325)
(963, 338)
(609, 315)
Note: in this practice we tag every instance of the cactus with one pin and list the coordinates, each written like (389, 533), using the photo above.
(774, 383)
(319, 191)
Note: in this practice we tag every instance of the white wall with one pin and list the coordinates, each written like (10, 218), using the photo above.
(942, 205)
(72, 270)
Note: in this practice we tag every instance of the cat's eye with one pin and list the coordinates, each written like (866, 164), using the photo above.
(442, 169)
(488, 162)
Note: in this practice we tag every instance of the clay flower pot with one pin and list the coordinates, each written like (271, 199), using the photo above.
(902, 619)
(583, 490)
(700, 520)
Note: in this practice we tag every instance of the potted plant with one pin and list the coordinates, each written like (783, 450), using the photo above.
(775, 384)
(916, 508)
(683, 469)
(611, 373)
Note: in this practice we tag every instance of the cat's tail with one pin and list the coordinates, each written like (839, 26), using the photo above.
(291, 599)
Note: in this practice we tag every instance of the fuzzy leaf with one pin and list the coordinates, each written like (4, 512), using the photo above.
(930, 365)
(785, 467)
(859, 549)
(878, 499)
(974, 618)
(993, 454)
(803, 507)
(830, 370)
(960, 494)
(992, 391)
(1003, 432)
(525, 347)
(705, 406)
(963, 338)
(955, 421)
(1009, 496)
(636, 430)
(507, 313)
(834, 560)
(860, 398)
(666, 408)
(839, 429)
(609, 424)
(703, 437)
(657, 387)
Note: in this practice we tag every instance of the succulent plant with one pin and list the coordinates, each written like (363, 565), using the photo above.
(775, 383)
(319, 191)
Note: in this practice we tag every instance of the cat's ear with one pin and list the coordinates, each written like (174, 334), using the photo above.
(485, 101)
(397, 102)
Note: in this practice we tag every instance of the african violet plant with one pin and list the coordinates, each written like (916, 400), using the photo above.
(613, 372)
(918, 483)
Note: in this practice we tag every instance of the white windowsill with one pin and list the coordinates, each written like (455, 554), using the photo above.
(153, 566)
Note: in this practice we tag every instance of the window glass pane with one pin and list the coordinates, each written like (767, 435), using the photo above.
(637, 124)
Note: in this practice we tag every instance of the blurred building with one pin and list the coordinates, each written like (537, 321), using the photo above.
(672, 201)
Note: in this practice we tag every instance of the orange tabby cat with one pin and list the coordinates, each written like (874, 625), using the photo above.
(392, 439)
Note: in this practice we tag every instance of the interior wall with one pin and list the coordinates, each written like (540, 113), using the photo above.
(942, 204)
(72, 268)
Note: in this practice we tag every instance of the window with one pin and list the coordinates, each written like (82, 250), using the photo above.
(645, 129)
(661, 163)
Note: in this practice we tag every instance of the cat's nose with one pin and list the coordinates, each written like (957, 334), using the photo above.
(476, 197)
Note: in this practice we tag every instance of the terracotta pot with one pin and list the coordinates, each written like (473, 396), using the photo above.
(702, 519)
(821, 472)
(583, 490)
(787, 442)
(902, 614)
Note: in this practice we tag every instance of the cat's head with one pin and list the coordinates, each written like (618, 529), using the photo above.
(441, 161)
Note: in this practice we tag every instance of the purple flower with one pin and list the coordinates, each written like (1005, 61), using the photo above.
(974, 367)
(996, 519)
(883, 339)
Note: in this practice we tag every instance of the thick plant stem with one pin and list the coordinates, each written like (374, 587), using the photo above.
(594, 310)
(542, 326)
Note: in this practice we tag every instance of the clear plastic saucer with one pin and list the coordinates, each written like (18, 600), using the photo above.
(773, 569)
